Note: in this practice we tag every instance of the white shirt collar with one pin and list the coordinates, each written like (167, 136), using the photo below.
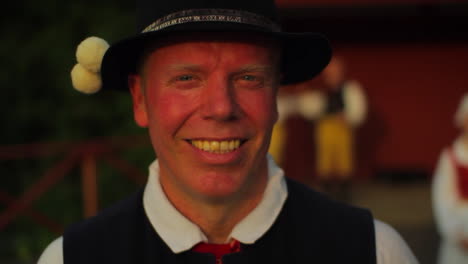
(180, 234)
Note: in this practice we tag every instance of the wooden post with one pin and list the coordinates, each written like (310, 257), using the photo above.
(89, 184)
(49, 179)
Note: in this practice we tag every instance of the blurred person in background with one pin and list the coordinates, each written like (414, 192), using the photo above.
(345, 108)
(450, 194)
(299, 106)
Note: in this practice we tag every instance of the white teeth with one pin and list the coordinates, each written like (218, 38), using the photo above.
(216, 146)
(224, 146)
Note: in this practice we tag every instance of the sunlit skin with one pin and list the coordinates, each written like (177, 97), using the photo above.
(210, 90)
(333, 75)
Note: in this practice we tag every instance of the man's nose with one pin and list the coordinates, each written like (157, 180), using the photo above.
(220, 100)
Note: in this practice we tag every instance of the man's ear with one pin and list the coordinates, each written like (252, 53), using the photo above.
(139, 106)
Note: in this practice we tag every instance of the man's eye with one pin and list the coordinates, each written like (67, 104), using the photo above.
(185, 81)
(249, 78)
(185, 78)
(250, 81)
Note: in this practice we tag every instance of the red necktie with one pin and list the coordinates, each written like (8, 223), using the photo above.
(219, 250)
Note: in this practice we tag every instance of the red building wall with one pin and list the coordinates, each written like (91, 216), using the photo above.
(411, 57)
(413, 91)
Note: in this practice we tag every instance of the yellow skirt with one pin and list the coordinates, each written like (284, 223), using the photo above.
(334, 140)
(277, 142)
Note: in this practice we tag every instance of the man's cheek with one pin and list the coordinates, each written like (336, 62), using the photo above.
(262, 105)
(172, 110)
(180, 108)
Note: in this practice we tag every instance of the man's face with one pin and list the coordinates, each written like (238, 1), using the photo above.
(210, 107)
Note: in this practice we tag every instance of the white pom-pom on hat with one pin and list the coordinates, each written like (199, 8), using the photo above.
(90, 53)
(85, 81)
(86, 75)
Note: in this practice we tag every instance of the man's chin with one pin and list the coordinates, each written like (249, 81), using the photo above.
(222, 193)
(222, 188)
(217, 199)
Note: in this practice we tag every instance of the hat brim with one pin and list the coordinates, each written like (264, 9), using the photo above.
(304, 55)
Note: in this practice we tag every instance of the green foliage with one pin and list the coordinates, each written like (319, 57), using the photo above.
(40, 52)
(39, 105)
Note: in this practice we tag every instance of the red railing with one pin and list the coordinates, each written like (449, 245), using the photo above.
(84, 154)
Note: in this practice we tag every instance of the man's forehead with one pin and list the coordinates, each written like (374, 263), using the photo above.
(173, 40)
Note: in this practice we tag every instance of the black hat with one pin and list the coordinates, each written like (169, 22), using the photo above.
(304, 54)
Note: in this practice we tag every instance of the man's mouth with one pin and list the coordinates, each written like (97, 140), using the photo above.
(215, 146)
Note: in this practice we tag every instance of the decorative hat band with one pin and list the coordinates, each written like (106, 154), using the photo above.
(85, 74)
(212, 15)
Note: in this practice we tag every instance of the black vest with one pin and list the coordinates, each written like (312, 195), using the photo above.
(310, 229)
(335, 100)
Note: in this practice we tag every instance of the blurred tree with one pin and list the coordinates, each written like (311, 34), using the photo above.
(37, 52)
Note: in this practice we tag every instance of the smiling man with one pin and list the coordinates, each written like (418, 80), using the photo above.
(204, 76)
(210, 106)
